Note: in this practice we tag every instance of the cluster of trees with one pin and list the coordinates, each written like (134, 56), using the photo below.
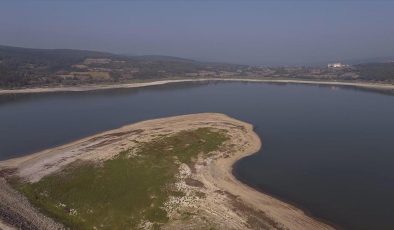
(376, 71)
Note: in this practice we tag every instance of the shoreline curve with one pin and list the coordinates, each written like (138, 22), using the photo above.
(361, 85)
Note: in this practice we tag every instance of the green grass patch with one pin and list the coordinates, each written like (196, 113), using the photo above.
(121, 192)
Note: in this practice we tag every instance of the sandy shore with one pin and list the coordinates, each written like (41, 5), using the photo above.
(374, 86)
(227, 202)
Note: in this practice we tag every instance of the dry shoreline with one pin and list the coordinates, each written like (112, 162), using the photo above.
(228, 202)
(373, 86)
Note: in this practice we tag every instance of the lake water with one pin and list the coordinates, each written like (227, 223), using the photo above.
(326, 149)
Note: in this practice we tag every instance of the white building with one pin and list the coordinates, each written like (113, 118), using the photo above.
(336, 65)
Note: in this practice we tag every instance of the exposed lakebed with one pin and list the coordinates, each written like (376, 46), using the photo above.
(327, 149)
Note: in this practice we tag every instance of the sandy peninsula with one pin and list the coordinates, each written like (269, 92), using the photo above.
(362, 85)
(227, 203)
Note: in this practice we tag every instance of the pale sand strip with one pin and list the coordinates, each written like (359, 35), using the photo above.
(215, 173)
(376, 86)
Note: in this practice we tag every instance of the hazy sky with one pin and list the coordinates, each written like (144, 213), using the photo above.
(251, 32)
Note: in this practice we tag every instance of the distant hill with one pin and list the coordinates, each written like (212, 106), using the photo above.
(25, 67)
(52, 59)
(369, 60)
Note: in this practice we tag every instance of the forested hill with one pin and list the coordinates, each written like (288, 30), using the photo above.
(23, 67)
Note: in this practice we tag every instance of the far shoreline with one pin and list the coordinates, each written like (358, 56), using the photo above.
(361, 85)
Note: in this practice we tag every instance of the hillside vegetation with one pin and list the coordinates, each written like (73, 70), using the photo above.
(27, 68)
(22, 67)
(377, 71)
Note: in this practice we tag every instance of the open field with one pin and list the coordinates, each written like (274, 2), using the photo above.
(184, 162)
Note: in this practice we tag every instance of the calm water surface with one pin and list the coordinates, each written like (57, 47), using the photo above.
(325, 149)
